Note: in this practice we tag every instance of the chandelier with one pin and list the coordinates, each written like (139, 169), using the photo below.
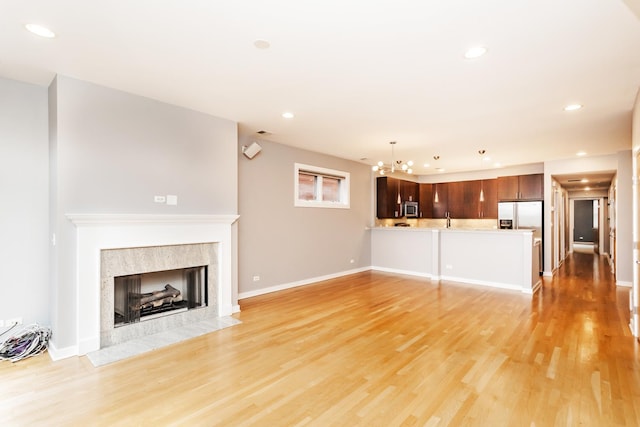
(395, 165)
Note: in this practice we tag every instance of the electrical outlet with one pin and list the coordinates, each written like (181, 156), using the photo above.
(14, 321)
(159, 199)
(448, 267)
(1, 323)
(256, 278)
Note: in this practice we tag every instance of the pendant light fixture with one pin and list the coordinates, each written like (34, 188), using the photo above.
(395, 165)
(481, 152)
(436, 199)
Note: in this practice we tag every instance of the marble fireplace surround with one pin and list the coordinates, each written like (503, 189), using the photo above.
(98, 232)
(150, 259)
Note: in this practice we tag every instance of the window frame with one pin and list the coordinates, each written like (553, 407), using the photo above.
(319, 173)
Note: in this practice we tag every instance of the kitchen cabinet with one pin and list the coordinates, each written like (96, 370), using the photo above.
(460, 199)
(440, 200)
(489, 207)
(485, 207)
(425, 200)
(471, 205)
(521, 187)
(456, 203)
(409, 191)
(387, 194)
(391, 193)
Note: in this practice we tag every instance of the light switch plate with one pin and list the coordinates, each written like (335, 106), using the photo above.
(172, 200)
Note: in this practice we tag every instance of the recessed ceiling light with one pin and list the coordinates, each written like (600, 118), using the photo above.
(573, 107)
(426, 165)
(475, 52)
(287, 115)
(262, 44)
(39, 30)
(497, 165)
(584, 180)
(581, 153)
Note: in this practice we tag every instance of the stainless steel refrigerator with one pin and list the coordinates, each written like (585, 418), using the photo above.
(521, 215)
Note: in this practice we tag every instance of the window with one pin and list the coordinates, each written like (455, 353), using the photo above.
(320, 187)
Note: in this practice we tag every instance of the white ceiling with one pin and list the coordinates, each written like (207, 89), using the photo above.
(358, 74)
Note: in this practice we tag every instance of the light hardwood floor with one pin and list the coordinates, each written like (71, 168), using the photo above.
(371, 349)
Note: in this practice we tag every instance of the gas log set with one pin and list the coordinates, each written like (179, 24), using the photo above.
(155, 299)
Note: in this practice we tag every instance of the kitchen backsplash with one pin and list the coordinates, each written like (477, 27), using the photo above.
(488, 224)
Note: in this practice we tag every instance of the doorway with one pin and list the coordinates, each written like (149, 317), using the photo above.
(585, 225)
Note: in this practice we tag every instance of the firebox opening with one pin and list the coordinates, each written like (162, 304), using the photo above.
(140, 297)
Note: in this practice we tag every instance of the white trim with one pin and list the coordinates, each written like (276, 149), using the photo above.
(534, 288)
(407, 272)
(58, 354)
(487, 284)
(624, 284)
(110, 219)
(295, 284)
(95, 232)
(318, 279)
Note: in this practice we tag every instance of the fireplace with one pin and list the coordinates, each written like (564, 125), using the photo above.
(116, 245)
(141, 297)
(146, 290)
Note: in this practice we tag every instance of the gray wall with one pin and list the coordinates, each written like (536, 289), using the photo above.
(112, 152)
(24, 207)
(284, 244)
(624, 219)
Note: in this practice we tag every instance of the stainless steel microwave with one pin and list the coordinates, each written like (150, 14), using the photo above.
(411, 209)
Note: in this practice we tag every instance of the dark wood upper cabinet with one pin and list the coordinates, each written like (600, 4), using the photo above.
(472, 205)
(425, 200)
(508, 188)
(456, 199)
(409, 191)
(532, 187)
(387, 192)
(440, 200)
(480, 200)
(489, 207)
(462, 199)
(522, 187)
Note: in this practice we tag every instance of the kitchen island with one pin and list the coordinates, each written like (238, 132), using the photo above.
(499, 258)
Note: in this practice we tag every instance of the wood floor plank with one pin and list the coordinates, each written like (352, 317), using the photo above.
(370, 349)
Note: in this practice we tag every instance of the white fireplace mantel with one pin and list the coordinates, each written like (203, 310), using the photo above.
(96, 232)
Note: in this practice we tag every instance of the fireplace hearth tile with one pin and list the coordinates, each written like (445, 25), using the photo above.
(148, 343)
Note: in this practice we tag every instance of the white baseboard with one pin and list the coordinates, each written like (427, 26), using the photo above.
(257, 292)
(249, 294)
(58, 354)
(236, 308)
(624, 284)
(535, 288)
(483, 283)
(407, 272)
